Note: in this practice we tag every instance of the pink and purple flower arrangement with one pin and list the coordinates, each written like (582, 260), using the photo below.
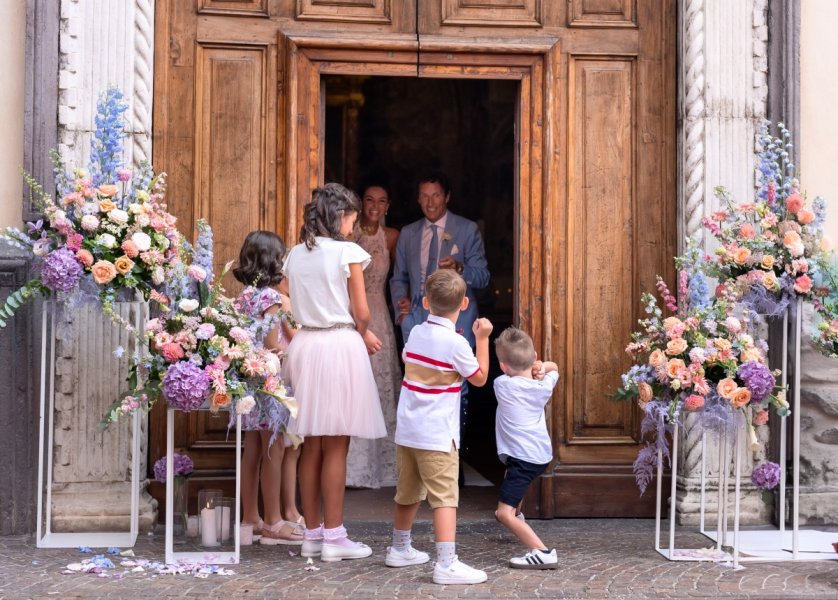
(181, 467)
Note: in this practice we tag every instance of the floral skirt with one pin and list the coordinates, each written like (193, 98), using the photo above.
(333, 383)
(269, 414)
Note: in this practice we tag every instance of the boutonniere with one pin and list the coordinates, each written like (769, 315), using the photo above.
(446, 237)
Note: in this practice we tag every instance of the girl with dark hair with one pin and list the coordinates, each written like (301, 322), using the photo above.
(260, 270)
(328, 364)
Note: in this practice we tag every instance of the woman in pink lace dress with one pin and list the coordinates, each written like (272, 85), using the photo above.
(372, 463)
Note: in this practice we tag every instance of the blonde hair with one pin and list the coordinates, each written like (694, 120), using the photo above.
(445, 290)
(515, 349)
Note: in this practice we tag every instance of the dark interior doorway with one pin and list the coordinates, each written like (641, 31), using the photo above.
(393, 129)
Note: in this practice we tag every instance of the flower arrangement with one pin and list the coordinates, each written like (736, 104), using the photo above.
(203, 351)
(770, 249)
(766, 476)
(182, 466)
(108, 226)
(700, 360)
(825, 336)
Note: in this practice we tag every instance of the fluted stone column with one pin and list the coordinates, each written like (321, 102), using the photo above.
(101, 43)
(722, 103)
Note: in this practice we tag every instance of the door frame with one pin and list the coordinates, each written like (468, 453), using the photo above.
(535, 65)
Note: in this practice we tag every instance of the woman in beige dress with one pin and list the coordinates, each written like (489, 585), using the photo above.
(372, 463)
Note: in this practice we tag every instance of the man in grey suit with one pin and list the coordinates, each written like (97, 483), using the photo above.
(441, 240)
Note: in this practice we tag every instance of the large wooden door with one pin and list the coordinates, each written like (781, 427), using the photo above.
(238, 125)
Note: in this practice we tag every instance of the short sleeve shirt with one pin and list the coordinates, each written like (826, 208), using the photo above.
(520, 426)
(436, 361)
(317, 280)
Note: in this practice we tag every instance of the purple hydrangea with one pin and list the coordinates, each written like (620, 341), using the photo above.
(182, 466)
(61, 270)
(758, 378)
(766, 476)
(185, 385)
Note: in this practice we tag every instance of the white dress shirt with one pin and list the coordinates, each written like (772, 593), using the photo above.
(425, 249)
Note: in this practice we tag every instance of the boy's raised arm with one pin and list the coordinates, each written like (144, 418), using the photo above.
(481, 328)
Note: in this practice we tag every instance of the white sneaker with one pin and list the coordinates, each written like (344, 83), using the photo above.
(411, 556)
(535, 559)
(335, 552)
(311, 548)
(458, 573)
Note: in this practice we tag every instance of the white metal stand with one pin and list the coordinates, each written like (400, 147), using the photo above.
(45, 537)
(207, 557)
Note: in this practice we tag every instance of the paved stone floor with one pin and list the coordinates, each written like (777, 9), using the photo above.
(598, 559)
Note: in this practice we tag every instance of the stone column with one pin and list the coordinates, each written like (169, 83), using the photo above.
(722, 103)
(102, 43)
(13, 15)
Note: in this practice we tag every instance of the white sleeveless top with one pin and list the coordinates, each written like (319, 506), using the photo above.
(317, 280)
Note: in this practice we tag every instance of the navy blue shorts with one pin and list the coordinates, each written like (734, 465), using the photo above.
(519, 475)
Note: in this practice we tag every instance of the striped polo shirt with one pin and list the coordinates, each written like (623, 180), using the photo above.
(436, 361)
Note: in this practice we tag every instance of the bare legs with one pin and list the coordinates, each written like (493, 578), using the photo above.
(288, 499)
(271, 477)
(506, 515)
(323, 476)
(261, 463)
(251, 458)
(445, 520)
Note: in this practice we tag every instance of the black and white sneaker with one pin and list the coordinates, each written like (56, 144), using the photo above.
(535, 559)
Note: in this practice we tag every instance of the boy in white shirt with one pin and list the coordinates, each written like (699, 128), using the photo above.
(437, 359)
(523, 443)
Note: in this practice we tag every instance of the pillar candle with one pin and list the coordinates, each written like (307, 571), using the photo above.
(246, 534)
(225, 523)
(192, 526)
(208, 528)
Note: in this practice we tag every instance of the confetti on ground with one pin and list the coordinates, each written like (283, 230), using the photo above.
(85, 550)
(113, 550)
(102, 566)
(127, 553)
(292, 553)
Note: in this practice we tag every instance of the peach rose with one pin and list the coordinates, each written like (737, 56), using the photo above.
(106, 205)
(674, 367)
(767, 262)
(803, 284)
(805, 216)
(103, 272)
(791, 238)
(172, 352)
(657, 358)
(85, 256)
(769, 280)
(794, 203)
(751, 355)
(721, 344)
(746, 230)
(726, 387)
(645, 391)
(107, 190)
(740, 397)
(219, 401)
(123, 265)
(670, 322)
(741, 256)
(676, 346)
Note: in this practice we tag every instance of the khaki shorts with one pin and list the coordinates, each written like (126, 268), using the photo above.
(427, 474)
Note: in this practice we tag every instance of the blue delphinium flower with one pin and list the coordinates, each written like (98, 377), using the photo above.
(202, 255)
(699, 297)
(106, 145)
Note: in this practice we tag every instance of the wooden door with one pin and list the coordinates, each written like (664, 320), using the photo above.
(238, 124)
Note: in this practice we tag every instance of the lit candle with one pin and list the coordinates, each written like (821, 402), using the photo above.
(208, 529)
(225, 523)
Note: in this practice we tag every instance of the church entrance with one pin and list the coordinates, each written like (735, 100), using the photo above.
(394, 129)
(253, 108)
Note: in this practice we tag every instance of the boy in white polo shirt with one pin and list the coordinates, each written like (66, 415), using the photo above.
(523, 443)
(437, 360)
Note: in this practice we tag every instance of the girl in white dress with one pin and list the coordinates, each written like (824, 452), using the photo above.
(328, 364)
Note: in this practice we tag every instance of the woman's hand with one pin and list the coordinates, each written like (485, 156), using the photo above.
(372, 342)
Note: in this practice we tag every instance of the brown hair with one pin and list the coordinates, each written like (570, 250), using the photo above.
(515, 349)
(444, 290)
(260, 259)
(322, 216)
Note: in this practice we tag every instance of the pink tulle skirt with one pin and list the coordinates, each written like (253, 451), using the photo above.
(333, 383)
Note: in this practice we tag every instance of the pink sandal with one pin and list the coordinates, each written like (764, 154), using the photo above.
(272, 534)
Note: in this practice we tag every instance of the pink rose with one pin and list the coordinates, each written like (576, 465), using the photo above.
(761, 418)
(803, 284)
(172, 352)
(196, 273)
(657, 358)
(801, 265)
(794, 203)
(676, 346)
(694, 402)
(85, 257)
(747, 231)
(130, 248)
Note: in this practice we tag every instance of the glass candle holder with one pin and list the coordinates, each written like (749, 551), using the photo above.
(209, 524)
(225, 516)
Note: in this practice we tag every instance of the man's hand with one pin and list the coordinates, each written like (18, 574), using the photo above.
(372, 342)
(404, 308)
(450, 263)
(482, 328)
